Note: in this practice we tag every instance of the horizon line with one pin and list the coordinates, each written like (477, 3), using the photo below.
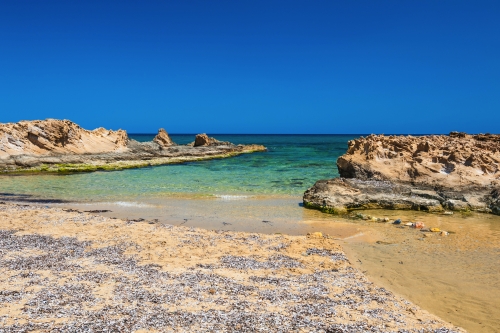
(311, 134)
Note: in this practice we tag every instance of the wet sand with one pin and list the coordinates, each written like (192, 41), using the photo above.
(456, 276)
(63, 270)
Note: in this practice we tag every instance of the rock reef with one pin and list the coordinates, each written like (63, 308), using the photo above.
(459, 172)
(63, 146)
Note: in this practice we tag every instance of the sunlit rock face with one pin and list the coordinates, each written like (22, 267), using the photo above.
(451, 160)
(433, 173)
(163, 139)
(62, 146)
(39, 137)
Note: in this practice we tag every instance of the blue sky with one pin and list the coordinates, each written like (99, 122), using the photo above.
(253, 66)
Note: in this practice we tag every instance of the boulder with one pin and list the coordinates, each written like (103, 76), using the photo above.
(457, 172)
(339, 195)
(204, 140)
(163, 139)
(201, 140)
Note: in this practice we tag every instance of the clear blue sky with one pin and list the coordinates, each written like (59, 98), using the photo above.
(253, 66)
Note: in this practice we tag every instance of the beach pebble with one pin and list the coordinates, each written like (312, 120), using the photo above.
(444, 233)
(418, 225)
(386, 219)
(317, 234)
(398, 221)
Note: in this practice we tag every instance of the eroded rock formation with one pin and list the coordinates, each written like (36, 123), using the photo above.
(51, 136)
(455, 160)
(163, 139)
(432, 173)
(204, 140)
(61, 145)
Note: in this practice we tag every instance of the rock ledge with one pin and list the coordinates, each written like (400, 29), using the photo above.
(434, 173)
(62, 146)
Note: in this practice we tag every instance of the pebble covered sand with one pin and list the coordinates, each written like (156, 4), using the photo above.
(69, 271)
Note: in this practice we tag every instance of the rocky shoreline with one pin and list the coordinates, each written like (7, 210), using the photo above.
(459, 172)
(63, 146)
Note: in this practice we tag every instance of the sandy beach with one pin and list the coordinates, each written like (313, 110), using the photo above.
(71, 271)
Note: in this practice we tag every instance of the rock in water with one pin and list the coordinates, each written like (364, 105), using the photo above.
(62, 146)
(456, 172)
(163, 139)
(204, 140)
(201, 140)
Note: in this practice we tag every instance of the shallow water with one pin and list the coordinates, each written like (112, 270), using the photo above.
(292, 164)
(455, 277)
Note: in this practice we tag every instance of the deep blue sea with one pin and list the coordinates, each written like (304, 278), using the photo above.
(291, 165)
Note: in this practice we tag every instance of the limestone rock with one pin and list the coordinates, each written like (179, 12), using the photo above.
(62, 146)
(163, 139)
(42, 137)
(455, 160)
(339, 195)
(201, 140)
(457, 205)
(456, 172)
(204, 140)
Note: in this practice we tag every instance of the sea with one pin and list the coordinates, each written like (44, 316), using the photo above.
(291, 165)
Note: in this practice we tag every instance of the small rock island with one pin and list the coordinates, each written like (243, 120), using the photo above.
(53, 145)
(457, 172)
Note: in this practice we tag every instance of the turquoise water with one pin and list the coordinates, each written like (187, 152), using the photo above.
(292, 164)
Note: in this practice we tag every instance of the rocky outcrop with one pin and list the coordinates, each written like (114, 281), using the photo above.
(458, 172)
(163, 139)
(51, 136)
(61, 145)
(455, 160)
(202, 140)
